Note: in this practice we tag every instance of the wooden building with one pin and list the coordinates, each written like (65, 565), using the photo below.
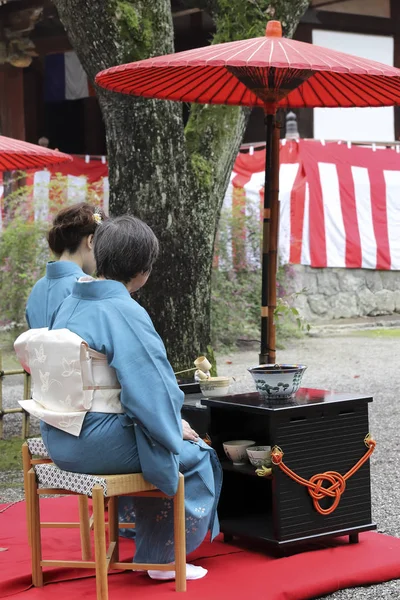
(30, 33)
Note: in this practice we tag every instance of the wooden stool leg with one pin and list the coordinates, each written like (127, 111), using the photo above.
(180, 537)
(84, 527)
(100, 543)
(26, 464)
(34, 528)
(113, 527)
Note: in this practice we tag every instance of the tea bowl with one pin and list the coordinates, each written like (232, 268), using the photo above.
(235, 450)
(259, 456)
(214, 386)
(277, 381)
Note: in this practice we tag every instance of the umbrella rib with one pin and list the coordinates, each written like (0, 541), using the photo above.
(257, 50)
(151, 76)
(357, 88)
(302, 56)
(285, 53)
(310, 83)
(375, 92)
(323, 53)
(325, 80)
(223, 85)
(246, 46)
(389, 83)
(239, 51)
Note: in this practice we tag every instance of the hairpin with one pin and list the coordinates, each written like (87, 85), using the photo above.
(97, 217)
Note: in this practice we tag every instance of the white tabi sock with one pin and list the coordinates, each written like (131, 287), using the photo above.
(192, 572)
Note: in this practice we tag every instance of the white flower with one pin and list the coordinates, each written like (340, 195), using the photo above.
(97, 217)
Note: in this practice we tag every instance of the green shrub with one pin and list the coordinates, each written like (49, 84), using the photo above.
(236, 286)
(23, 257)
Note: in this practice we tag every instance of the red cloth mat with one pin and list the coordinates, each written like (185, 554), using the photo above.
(235, 572)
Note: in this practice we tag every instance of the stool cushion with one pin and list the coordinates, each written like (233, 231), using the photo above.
(37, 447)
(50, 476)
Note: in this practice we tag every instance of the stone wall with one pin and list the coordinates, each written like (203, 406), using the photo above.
(337, 293)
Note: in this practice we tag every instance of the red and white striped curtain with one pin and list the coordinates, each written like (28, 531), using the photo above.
(339, 204)
(83, 179)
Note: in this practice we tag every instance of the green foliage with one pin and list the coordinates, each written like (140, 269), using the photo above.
(23, 257)
(236, 285)
(238, 19)
(242, 19)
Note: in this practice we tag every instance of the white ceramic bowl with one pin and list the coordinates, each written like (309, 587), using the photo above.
(214, 386)
(259, 456)
(235, 450)
(277, 381)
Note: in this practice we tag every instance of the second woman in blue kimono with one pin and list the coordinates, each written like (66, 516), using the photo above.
(150, 436)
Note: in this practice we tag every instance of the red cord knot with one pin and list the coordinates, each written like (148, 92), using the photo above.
(318, 492)
(276, 455)
(336, 481)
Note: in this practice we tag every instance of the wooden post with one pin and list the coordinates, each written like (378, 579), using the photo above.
(265, 316)
(273, 247)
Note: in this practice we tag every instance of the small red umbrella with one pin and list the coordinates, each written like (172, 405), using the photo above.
(271, 72)
(17, 155)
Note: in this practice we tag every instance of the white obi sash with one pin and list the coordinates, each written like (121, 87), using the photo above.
(69, 379)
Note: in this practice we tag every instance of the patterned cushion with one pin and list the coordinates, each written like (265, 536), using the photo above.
(37, 447)
(50, 476)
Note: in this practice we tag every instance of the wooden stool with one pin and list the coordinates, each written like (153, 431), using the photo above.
(34, 447)
(48, 479)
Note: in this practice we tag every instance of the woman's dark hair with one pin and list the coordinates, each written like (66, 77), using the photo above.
(71, 225)
(123, 248)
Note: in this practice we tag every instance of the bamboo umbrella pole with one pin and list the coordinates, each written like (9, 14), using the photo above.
(265, 283)
(273, 247)
(270, 241)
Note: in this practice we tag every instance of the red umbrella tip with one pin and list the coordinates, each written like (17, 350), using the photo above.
(274, 29)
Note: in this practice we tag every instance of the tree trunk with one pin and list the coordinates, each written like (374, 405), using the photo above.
(172, 178)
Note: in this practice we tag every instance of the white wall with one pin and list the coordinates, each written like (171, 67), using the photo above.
(356, 124)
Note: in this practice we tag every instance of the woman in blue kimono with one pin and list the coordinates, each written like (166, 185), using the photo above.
(150, 436)
(71, 241)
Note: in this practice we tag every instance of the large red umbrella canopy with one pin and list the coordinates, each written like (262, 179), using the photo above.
(17, 155)
(272, 72)
(259, 72)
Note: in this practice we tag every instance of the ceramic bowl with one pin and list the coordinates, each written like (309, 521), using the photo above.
(235, 450)
(215, 386)
(259, 456)
(277, 381)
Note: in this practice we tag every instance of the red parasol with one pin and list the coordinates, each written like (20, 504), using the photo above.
(16, 155)
(271, 72)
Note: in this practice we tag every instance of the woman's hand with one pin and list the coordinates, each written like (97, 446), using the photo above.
(188, 432)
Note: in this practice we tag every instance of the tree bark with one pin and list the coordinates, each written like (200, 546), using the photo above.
(172, 177)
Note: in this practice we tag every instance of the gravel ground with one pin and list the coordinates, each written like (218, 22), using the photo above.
(348, 364)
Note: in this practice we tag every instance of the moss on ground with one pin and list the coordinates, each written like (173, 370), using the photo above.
(388, 333)
(10, 454)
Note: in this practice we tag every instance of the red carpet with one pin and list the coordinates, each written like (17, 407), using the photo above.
(234, 572)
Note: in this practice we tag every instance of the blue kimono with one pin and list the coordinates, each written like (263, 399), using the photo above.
(48, 293)
(148, 436)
